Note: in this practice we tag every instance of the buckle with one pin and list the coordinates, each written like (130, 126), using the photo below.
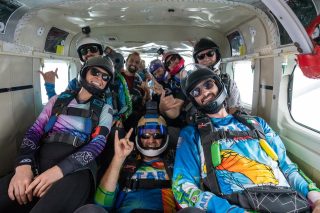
(134, 184)
(76, 142)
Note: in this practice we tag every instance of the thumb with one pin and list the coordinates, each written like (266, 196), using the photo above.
(162, 94)
(39, 71)
(56, 73)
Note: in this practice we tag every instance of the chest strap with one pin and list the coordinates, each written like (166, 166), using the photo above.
(64, 138)
(135, 184)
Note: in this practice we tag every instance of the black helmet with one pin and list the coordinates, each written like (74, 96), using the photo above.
(191, 75)
(98, 61)
(205, 44)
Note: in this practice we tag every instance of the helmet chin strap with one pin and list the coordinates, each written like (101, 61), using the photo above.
(91, 88)
(215, 67)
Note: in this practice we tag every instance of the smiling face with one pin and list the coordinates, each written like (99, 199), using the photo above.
(205, 91)
(133, 63)
(150, 139)
(97, 77)
(172, 61)
(207, 57)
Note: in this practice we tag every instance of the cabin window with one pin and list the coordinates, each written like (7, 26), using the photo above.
(237, 45)
(305, 103)
(61, 82)
(304, 10)
(243, 75)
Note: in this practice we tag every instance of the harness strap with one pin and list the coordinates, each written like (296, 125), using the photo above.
(96, 106)
(135, 184)
(77, 112)
(205, 128)
(59, 107)
(225, 78)
(64, 138)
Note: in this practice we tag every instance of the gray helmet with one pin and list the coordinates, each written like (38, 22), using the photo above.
(191, 75)
(98, 61)
(87, 42)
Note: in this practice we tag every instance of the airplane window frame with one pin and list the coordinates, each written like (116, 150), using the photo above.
(63, 73)
(290, 103)
(243, 82)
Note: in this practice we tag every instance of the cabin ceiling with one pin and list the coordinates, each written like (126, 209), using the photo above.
(105, 17)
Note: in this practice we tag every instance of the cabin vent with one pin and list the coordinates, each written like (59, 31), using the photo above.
(110, 38)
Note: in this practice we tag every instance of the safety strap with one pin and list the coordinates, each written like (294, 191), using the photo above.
(96, 106)
(64, 138)
(211, 148)
(205, 128)
(59, 107)
(225, 78)
(135, 184)
(132, 165)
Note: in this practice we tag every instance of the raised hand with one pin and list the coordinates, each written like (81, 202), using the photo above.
(123, 147)
(158, 89)
(41, 184)
(167, 102)
(19, 183)
(50, 76)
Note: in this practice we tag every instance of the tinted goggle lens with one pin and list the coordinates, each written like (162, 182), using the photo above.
(96, 72)
(92, 49)
(171, 60)
(208, 54)
(196, 92)
(149, 135)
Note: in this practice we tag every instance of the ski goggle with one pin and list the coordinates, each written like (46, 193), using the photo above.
(156, 131)
(155, 135)
(171, 60)
(95, 72)
(196, 92)
(91, 48)
(210, 53)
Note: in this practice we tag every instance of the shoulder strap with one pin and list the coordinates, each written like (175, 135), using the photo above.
(205, 129)
(96, 106)
(225, 78)
(251, 123)
(62, 102)
(254, 125)
(59, 107)
(130, 167)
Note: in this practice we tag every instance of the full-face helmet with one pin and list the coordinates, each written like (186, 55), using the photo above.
(97, 61)
(192, 75)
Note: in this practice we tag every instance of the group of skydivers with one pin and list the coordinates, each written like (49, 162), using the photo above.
(80, 150)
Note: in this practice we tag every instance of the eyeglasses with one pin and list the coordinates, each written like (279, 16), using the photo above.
(86, 49)
(208, 54)
(196, 92)
(171, 60)
(149, 135)
(95, 72)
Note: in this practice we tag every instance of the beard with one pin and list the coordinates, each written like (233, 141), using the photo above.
(132, 69)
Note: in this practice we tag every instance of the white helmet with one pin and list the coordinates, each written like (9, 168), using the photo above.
(88, 41)
(152, 122)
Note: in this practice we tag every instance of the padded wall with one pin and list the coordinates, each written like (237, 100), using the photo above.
(16, 107)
